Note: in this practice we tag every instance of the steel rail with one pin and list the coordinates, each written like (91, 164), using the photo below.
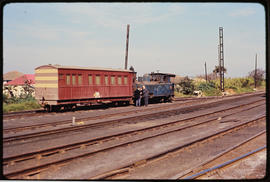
(16, 129)
(63, 122)
(124, 169)
(21, 113)
(186, 172)
(144, 129)
(39, 111)
(226, 163)
(65, 160)
(36, 112)
(123, 120)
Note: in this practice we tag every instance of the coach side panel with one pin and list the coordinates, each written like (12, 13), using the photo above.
(91, 84)
(46, 85)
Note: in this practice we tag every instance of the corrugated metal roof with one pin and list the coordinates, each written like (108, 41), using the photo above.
(83, 68)
(22, 79)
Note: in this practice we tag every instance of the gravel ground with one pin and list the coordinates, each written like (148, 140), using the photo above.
(190, 157)
(253, 167)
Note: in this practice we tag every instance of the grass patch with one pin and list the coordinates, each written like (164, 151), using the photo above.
(28, 105)
(232, 86)
(12, 105)
(179, 94)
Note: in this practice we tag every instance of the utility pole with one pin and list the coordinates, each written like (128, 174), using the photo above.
(205, 71)
(255, 74)
(126, 58)
(221, 59)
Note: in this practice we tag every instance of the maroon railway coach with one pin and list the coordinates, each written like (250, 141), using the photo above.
(67, 86)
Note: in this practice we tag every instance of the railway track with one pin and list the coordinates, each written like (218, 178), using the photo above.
(42, 112)
(203, 168)
(66, 122)
(46, 158)
(225, 164)
(208, 168)
(141, 117)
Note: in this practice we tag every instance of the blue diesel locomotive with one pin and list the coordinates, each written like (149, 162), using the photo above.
(159, 85)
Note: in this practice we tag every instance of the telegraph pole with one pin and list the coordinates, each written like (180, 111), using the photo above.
(126, 58)
(255, 74)
(221, 59)
(205, 71)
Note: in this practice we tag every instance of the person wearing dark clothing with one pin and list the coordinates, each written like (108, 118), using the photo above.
(137, 96)
(145, 96)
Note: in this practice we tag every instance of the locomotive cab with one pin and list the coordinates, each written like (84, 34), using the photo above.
(159, 85)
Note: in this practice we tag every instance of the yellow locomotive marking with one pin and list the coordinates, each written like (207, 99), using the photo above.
(46, 78)
(47, 71)
(46, 85)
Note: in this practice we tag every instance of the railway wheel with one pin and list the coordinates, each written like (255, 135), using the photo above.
(67, 107)
(56, 108)
(162, 100)
(170, 99)
(73, 107)
(131, 102)
(115, 103)
(48, 108)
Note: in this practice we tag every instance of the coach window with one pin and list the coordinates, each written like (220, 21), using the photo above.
(73, 79)
(61, 76)
(112, 80)
(125, 80)
(98, 79)
(79, 79)
(106, 80)
(68, 79)
(119, 80)
(90, 79)
(61, 79)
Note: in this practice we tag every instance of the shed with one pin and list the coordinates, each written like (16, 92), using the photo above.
(30, 78)
(12, 75)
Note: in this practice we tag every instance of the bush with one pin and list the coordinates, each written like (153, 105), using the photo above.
(19, 104)
(209, 88)
(240, 85)
(186, 86)
(212, 88)
(260, 75)
(244, 82)
(5, 98)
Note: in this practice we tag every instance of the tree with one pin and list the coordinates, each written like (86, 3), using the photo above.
(216, 70)
(259, 76)
(187, 86)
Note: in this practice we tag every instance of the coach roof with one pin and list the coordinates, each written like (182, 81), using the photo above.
(57, 66)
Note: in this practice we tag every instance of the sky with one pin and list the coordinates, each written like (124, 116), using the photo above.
(173, 38)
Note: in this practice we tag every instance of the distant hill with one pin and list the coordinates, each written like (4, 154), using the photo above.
(12, 75)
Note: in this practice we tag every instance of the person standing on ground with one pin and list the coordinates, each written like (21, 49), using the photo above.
(137, 96)
(145, 96)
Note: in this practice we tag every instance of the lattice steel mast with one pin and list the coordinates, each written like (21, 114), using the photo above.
(221, 59)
